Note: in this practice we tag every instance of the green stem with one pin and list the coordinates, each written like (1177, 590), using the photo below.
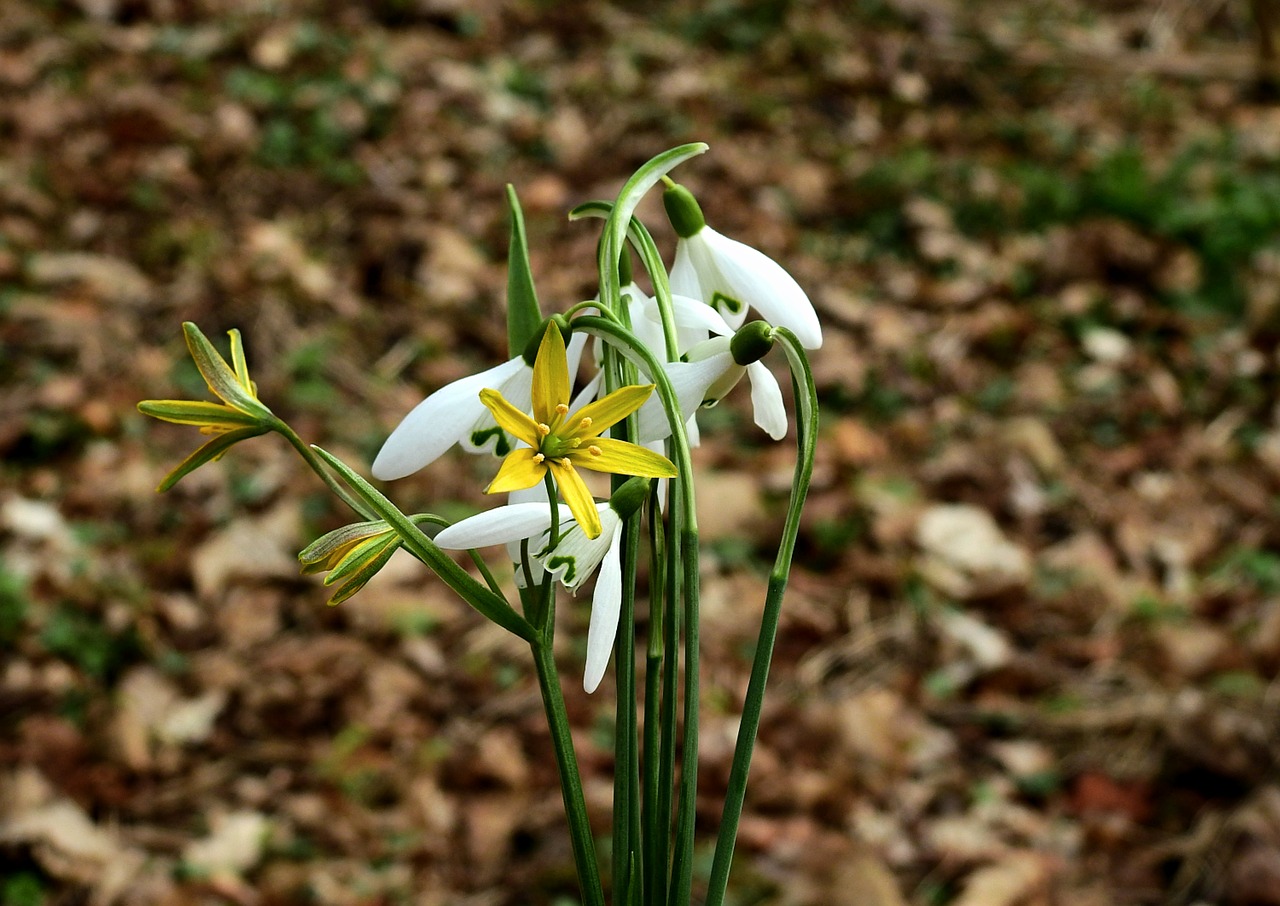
(806, 435)
(575, 805)
(686, 809)
(313, 461)
(655, 857)
(626, 813)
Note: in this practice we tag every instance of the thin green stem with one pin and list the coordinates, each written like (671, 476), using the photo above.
(806, 435)
(655, 858)
(313, 462)
(686, 808)
(575, 805)
(626, 810)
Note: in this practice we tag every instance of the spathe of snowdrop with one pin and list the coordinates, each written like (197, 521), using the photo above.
(733, 277)
(454, 414)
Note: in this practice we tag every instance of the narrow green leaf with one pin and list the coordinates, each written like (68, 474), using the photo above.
(196, 412)
(219, 375)
(484, 600)
(210, 451)
(619, 219)
(523, 314)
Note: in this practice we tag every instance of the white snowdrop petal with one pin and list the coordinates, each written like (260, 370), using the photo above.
(576, 557)
(502, 525)
(693, 315)
(690, 381)
(684, 278)
(482, 436)
(606, 605)
(438, 422)
(760, 282)
(766, 401)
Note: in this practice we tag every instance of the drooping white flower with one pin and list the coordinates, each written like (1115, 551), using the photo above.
(455, 415)
(573, 560)
(733, 277)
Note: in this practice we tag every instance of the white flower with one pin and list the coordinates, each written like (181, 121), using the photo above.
(571, 562)
(733, 277)
(455, 415)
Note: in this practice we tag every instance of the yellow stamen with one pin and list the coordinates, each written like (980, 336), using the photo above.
(594, 450)
(544, 430)
(538, 457)
(562, 409)
(565, 462)
(585, 423)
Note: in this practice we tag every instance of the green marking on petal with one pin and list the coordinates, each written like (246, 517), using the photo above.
(726, 303)
(570, 565)
(501, 446)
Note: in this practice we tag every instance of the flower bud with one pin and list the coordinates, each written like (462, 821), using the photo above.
(683, 211)
(751, 343)
(629, 497)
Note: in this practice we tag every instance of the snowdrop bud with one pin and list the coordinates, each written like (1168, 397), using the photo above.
(683, 211)
(752, 343)
(630, 497)
(732, 374)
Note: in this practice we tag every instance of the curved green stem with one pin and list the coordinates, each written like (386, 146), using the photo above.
(806, 441)
(309, 457)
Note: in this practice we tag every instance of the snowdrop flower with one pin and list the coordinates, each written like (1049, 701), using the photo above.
(571, 561)
(711, 369)
(733, 277)
(454, 414)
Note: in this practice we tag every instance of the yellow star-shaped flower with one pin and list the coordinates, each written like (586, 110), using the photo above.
(239, 416)
(562, 444)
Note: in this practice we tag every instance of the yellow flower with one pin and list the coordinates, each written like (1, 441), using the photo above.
(562, 443)
(238, 417)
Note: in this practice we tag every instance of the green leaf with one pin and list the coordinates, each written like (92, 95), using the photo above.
(196, 412)
(212, 450)
(629, 197)
(219, 375)
(484, 600)
(523, 315)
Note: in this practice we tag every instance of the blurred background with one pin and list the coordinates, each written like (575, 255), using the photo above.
(1030, 648)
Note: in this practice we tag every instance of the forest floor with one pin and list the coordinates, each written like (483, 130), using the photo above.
(1029, 651)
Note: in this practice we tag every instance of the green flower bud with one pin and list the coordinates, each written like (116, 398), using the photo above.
(751, 343)
(683, 211)
(630, 497)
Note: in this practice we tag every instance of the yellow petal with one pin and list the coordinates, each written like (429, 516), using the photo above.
(605, 454)
(578, 498)
(608, 411)
(238, 363)
(220, 377)
(509, 418)
(521, 469)
(550, 376)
